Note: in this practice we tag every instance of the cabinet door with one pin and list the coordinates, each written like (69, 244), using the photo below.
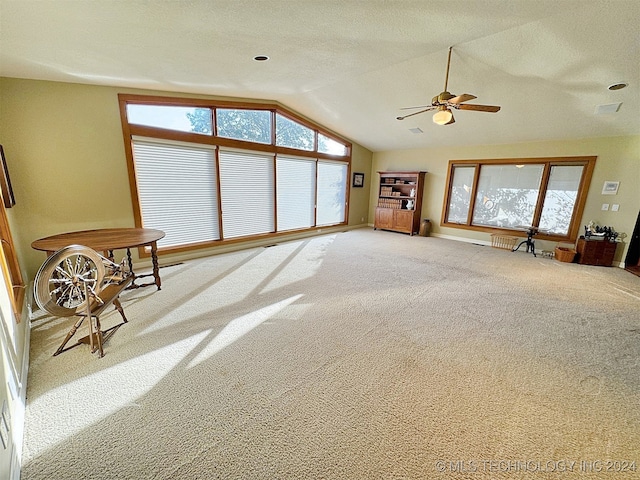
(403, 220)
(384, 218)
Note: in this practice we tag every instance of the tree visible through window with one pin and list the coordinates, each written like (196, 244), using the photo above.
(251, 125)
(515, 194)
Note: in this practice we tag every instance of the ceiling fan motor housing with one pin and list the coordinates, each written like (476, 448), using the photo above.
(442, 98)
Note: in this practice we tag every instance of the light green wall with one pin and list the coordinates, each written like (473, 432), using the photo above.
(65, 153)
(618, 160)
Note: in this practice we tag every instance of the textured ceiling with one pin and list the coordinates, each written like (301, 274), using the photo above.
(351, 65)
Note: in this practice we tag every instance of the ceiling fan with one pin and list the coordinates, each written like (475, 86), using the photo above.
(445, 101)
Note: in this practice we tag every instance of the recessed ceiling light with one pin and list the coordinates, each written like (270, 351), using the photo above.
(261, 58)
(617, 86)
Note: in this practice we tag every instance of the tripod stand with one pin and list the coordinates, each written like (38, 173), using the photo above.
(529, 242)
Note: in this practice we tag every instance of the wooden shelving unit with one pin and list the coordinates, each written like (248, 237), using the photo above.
(399, 201)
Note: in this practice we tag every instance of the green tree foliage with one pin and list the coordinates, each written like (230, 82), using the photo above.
(250, 125)
(200, 121)
(254, 126)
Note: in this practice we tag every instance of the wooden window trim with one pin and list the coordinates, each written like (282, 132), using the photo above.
(11, 267)
(574, 227)
(131, 130)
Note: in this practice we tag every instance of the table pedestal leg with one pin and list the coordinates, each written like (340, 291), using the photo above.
(156, 267)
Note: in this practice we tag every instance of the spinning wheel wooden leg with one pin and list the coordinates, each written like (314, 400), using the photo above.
(71, 333)
(118, 305)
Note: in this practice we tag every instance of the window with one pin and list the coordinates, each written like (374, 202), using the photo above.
(332, 192)
(182, 119)
(252, 125)
(560, 199)
(513, 194)
(460, 198)
(246, 190)
(292, 134)
(238, 178)
(296, 180)
(177, 191)
(331, 146)
(506, 195)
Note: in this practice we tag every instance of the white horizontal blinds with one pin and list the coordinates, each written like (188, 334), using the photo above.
(177, 190)
(247, 193)
(296, 192)
(332, 192)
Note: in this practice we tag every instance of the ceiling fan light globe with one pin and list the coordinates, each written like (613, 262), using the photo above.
(442, 117)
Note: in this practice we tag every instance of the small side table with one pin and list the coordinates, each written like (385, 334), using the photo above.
(596, 252)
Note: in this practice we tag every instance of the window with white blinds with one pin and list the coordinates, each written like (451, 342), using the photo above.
(177, 193)
(332, 192)
(247, 193)
(296, 192)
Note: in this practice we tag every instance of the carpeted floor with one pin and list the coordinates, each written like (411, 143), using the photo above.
(360, 355)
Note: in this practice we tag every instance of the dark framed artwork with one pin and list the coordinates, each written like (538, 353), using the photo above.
(5, 182)
(358, 179)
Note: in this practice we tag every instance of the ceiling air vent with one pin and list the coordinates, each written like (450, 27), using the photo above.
(608, 108)
(416, 130)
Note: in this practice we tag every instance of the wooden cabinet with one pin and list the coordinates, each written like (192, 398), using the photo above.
(596, 252)
(400, 201)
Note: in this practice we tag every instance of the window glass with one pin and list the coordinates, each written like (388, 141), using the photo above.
(507, 195)
(330, 146)
(560, 198)
(292, 134)
(183, 119)
(296, 191)
(332, 193)
(250, 125)
(460, 198)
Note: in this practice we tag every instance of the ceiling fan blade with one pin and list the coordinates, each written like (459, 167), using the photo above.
(416, 113)
(465, 97)
(479, 108)
(418, 106)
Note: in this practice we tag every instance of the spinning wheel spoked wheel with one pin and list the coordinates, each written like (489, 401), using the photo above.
(60, 281)
(76, 280)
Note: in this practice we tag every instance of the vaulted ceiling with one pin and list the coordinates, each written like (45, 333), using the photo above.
(351, 65)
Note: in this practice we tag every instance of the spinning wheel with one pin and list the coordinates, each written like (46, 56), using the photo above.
(76, 280)
(60, 282)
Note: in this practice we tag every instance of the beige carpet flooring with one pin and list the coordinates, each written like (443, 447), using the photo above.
(359, 355)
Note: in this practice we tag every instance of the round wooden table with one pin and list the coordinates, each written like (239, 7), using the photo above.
(107, 240)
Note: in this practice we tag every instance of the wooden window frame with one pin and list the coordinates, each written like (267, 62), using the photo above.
(130, 130)
(10, 266)
(588, 162)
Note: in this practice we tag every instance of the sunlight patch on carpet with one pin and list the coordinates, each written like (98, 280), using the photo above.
(304, 265)
(239, 327)
(83, 403)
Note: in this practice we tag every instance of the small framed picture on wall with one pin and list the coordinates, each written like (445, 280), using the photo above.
(610, 188)
(358, 179)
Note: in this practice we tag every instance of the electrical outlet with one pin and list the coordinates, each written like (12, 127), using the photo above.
(615, 207)
(605, 206)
